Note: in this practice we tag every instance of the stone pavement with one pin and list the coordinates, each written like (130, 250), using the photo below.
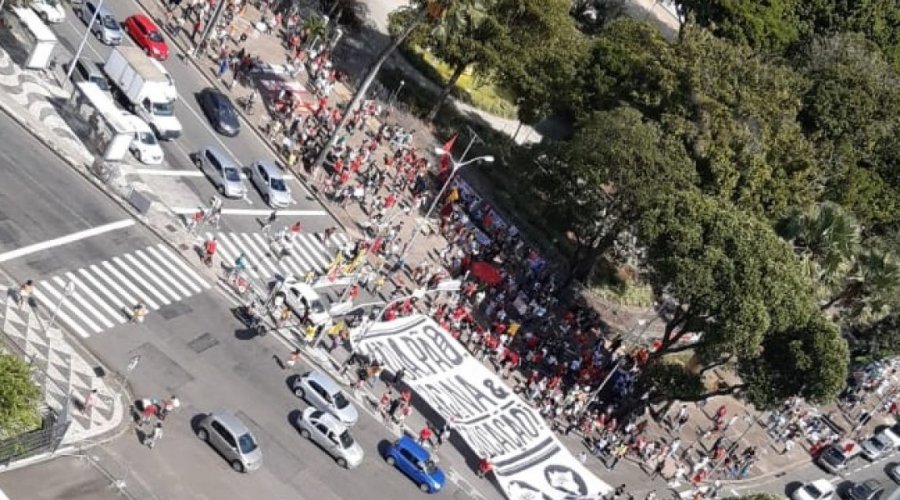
(67, 374)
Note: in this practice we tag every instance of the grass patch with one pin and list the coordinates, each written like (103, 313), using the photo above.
(478, 92)
(626, 294)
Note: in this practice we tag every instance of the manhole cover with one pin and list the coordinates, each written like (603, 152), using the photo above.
(202, 343)
(171, 228)
(174, 310)
(184, 246)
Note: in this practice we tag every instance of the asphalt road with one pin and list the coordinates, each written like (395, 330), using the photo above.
(197, 133)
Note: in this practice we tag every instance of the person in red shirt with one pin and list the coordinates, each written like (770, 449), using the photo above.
(485, 467)
(425, 436)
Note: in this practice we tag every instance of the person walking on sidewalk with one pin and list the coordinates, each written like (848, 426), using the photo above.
(425, 435)
(89, 401)
(25, 291)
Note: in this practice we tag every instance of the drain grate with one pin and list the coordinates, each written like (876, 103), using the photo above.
(202, 343)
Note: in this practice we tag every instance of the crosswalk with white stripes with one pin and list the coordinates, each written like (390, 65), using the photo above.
(103, 295)
(307, 252)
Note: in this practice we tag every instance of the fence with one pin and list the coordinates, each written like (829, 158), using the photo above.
(44, 440)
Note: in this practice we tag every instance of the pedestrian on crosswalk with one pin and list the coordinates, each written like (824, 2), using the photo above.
(25, 291)
(138, 313)
(267, 225)
(209, 250)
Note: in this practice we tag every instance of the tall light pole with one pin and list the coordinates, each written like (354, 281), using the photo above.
(457, 166)
(210, 25)
(87, 33)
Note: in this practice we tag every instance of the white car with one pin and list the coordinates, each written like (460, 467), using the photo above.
(144, 146)
(51, 11)
(329, 433)
(820, 489)
(271, 184)
(876, 446)
(304, 301)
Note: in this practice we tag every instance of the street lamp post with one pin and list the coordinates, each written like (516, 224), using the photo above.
(87, 33)
(395, 94)
(457, 166)
(67, 292)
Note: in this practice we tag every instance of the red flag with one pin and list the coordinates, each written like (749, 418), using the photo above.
(445, 159)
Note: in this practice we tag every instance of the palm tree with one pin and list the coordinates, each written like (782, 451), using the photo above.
(827, 239)
(872, 289)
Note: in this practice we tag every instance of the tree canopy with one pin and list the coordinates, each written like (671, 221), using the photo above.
(19, 397)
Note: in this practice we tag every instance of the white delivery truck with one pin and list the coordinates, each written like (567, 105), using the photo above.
(146, 87)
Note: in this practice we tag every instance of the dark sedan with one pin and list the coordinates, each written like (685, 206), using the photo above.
(220, 112)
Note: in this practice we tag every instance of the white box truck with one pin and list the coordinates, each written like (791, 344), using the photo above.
(146, 87)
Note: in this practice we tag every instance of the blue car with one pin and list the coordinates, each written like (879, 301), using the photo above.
(415, 461)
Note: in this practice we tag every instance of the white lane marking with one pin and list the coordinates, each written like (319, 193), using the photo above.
(177, 271)
(165, 276)
(148, 273)
(251, 211)
(115, 286)
(64, 240)
(83, 306)
(298, 250)
(123, 268)
(60, 314)
(66, 303)
(161, 172)
(260, 257)
(286, 263)
(184, 267)
(316, 250)
(104, 290)
(97, 300)
(230, 250)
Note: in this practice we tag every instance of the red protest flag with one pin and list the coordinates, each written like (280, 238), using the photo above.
(445, 158)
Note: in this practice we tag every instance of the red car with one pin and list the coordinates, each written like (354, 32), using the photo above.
(145, 33)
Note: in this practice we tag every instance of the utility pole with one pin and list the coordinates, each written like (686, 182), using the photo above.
(210, 25)
(433, 8)
(87, 33)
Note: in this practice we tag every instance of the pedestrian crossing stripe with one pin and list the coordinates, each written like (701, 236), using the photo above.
(307, 252)
(104, 294)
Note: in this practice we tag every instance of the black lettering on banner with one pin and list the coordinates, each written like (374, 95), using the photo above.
(453, 356)
(487, 441)
(462, 398)
(410, 364)
(498, 438)
(412, 346)
(497, 390)
(440, 364)
(526, 421)
(442, 403)
(510, 434)
(483, 400)
(478, 445)
(513, 428)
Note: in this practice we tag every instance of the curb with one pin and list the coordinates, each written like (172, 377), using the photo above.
(301, 177)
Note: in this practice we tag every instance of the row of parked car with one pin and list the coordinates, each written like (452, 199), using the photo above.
(839, 456)
(326, 422)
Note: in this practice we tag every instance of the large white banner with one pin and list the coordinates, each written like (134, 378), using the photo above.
(529, 462)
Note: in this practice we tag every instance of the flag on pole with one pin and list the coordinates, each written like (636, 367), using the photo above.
(445, 158)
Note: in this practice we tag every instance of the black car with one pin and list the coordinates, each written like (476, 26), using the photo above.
(86, 71)
(220, 112)
(867, 490)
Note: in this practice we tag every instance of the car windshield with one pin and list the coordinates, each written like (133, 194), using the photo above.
(835, 455)
(163, 109)
(340, 401)
(813, 491)
(278, 185)
(155, 36)
(232, 174)
(110, 23)
(316, 306)
(147, 138)
(346, 439)
(100, 82)
(246, 443)
(52, 3)
(428, 466)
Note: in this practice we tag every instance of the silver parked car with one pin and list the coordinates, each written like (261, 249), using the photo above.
(326, 431)
(222, 171)
(105, 27)
(268, 180)
(232, 439)
(322, 392)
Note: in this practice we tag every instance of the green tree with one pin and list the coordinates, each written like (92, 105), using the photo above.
(543, 51)
(808, 359)
(769, 26)
(465, 37)
(596, 185)
(872, 288)
(730, 278)
(19, 397)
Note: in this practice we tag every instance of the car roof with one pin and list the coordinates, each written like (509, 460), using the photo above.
(324, 380)
(145, 21)
(413, 448)
(218, 96)
(224, 159)
(305, 290)
(271, 169)
(329, 421)
(230, 421)
(872, 484)
(823, 485)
